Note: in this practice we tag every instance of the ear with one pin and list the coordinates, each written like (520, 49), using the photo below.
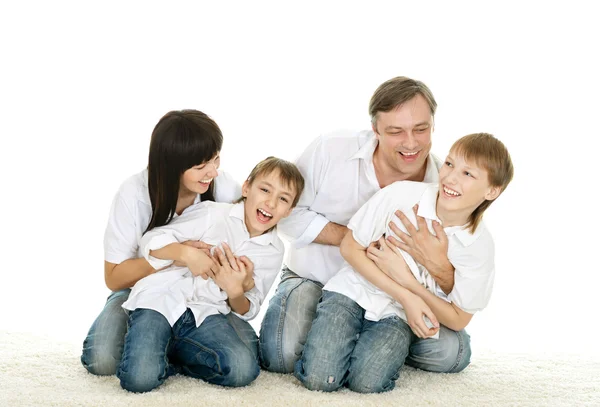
(374, 127)
(492, 193)
(245, 189)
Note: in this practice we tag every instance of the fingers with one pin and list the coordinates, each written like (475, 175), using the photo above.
(405, 238)
(220, 257)
(410, 228)
(439, 232)
(241, 266)
(429, 314)
(247, 262)
(420, 220)
(197, 244)
(382, 245)
(230, 257)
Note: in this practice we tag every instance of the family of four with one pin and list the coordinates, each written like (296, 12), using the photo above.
(388, 255)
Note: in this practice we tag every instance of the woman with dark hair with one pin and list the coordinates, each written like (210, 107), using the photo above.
(182, 163)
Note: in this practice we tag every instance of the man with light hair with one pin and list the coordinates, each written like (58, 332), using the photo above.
(342, 171)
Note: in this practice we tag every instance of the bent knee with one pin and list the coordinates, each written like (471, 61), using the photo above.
(138, 382)
(280, 357)
(100, 361)
(241, 372)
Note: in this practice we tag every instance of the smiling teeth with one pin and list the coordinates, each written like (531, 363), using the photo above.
(206, 181)
(265, 213)
(451, 192)
(409, 154)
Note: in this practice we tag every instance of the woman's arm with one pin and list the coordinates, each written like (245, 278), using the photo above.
(126, 274)
(415, 307)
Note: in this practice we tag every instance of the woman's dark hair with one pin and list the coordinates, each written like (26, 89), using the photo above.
(181, 140)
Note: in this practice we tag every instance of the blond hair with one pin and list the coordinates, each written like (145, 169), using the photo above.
(288, 173)
(489, 153)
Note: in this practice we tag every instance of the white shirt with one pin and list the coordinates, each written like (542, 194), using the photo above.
(131, 212)
(339, 178)
(172, 290)
(472, 255)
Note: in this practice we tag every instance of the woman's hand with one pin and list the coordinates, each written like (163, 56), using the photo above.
(205, 247)
(390, 261)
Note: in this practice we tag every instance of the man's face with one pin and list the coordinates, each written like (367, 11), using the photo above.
(404, 135)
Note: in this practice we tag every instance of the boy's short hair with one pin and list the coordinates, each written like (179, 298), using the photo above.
(489, 153)
(288, 173)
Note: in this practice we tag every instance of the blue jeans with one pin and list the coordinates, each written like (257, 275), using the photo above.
(287, 322)
(345, 349)
(103, 346)
(213, 352)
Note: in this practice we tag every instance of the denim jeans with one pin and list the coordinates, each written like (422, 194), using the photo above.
(287, 321)
(103, 346)
(345, 349)
(212, 352)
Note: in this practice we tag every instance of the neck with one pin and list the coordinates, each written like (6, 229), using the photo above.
(387, 175)
(185, 199)
(452, 218)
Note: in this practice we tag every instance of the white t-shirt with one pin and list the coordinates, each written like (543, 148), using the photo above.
(472, 255)
(172, 290)
(131, 212)
(339, 178)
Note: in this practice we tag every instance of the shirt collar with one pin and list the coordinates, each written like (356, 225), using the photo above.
(367, 150)
(237, 211)
(427, 205)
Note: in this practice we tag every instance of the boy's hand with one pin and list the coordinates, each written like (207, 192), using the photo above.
(242, 264)
(415, 308)
(229, 280)
(390, 261)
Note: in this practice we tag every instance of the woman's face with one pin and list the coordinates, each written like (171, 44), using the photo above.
(198, 178)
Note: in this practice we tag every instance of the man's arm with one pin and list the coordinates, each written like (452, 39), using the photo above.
(332, 234)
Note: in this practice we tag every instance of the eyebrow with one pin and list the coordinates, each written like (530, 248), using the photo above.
(416, 125)
(271, 186)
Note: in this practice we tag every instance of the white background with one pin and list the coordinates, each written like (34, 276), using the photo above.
(81, 88)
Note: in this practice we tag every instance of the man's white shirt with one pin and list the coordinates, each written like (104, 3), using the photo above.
(131, 212)
(339, 178)
(172, 290)
(472, 254)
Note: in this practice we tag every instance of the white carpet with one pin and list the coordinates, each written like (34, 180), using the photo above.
(37, 371)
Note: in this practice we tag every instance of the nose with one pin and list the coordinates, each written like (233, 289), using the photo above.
(213, 170)
(410, 143)
(271, 202)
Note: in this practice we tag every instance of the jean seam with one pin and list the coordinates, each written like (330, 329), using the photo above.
(460, 352)
(209, 351)
(280, 325)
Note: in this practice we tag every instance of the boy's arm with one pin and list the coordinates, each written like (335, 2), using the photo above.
(415, 308)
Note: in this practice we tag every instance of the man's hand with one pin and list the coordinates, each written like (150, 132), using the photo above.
(228, 279)
(390, 261)
(427, 249)
(415, 308)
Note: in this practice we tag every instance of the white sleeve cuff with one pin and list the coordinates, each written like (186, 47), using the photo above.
(158, 242)
(254, 297)
(312, 231)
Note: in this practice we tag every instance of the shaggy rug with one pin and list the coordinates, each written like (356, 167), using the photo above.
(38, 371)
